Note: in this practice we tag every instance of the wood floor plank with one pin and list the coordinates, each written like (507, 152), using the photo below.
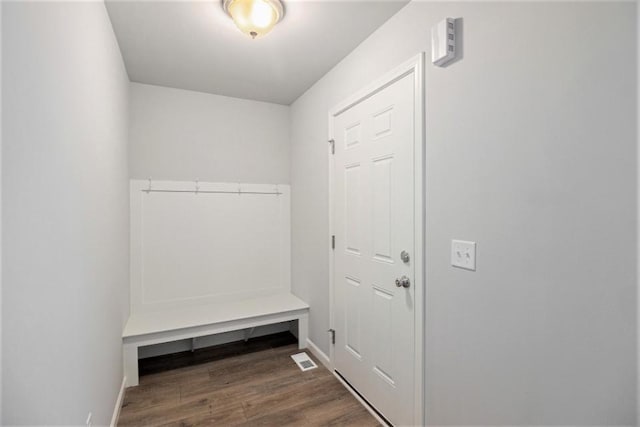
(294, 398)
(225, 386)
(228, 416)
(159, 415)
(145, 397)
(277, 418)
(334, 411)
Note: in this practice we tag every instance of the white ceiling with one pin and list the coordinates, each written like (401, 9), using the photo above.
(195, 45)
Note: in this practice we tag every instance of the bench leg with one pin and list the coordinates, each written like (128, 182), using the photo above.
(130, 360)
(303, 331)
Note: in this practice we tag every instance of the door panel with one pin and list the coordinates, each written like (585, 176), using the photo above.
(381, 209)
(352, 332)
(353, 208)
(373, 217)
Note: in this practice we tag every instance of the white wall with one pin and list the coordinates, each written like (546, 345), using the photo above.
(179, 134)
(65, 213)
(531, 152)
(196, 249)
(184, 135)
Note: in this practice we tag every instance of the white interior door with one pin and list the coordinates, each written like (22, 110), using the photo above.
(374, 226)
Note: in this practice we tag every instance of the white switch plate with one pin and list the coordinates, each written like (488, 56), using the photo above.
(463, 254)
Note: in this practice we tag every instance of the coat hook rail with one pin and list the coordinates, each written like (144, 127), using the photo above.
(211, 191)
(198, 190)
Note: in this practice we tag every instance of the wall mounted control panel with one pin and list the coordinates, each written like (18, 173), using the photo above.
(443, 42)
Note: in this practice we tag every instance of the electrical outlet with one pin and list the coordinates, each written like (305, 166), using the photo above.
(89, 419)
(463, 254)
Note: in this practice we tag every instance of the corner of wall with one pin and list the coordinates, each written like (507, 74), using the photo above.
(638, 212)
(1, 419)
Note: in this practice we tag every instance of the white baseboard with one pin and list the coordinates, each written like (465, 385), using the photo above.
(322, 357)
(116, 410)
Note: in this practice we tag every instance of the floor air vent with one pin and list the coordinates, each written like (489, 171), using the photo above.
(303, 361)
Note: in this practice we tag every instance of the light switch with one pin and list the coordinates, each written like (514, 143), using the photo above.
(463, 254)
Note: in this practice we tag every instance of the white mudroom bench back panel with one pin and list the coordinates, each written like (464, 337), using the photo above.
(196, 243)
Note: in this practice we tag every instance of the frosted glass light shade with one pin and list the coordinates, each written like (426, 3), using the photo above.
(254, 17)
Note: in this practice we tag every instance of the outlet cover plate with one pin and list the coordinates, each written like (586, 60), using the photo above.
(463, 254)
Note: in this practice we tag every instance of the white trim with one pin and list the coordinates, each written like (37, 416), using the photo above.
(195, 331)
(638, 213)
(361, 400)
(416, 66)
(330, 151)
(322, 357)
(420, 244)
(116, 410)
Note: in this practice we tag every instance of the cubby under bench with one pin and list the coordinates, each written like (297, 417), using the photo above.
(158, 327)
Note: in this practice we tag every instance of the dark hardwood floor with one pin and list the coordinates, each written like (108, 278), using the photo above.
(239, 384)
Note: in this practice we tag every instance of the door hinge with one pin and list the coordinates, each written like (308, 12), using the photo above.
(332, 142)
(333, 335)
(333, 242)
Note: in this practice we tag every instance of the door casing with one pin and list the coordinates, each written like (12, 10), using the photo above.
(413, 66)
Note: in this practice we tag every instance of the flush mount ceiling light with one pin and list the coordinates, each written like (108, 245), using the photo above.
(254, 17)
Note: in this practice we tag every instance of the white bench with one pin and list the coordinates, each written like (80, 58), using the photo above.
(144, 329)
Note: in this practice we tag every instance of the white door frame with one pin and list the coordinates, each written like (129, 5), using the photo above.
(414, 66)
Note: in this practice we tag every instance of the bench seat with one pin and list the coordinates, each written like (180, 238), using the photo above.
(144, 329)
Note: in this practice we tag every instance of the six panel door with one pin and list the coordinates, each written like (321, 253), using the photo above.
(373, 220)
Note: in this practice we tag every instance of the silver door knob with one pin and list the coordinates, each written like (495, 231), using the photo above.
(403, 282)
(404, 256)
